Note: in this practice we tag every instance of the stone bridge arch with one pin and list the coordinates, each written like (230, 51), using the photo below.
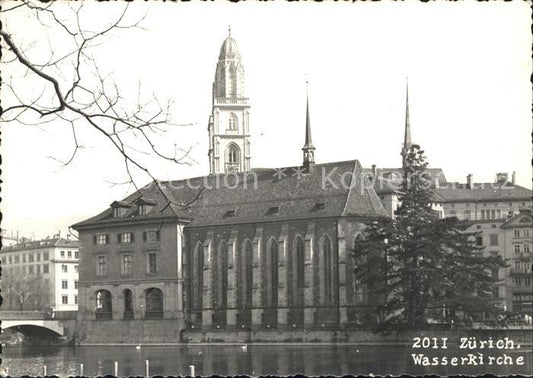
(23, 325)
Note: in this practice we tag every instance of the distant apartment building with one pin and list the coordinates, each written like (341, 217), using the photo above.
(501, 212)
(53, 262)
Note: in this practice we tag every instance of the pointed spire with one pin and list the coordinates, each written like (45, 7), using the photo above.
(407, 143)
(308, 148)
(229, 31)
(407, 137)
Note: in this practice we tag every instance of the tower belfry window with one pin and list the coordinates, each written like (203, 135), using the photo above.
(232, 124)
(233, 155)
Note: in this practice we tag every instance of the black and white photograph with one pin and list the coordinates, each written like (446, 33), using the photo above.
(266, 188)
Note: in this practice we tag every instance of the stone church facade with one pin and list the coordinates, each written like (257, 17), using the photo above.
(240, 248)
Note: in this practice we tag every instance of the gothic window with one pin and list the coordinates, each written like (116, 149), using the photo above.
(198, 276)
(328, 271)
(220, 275)
(232, 124)
(233, 154)
(247, 273)
(272, 273)
(299, 279)
(358, 288)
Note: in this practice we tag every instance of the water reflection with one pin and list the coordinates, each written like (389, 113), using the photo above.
(255, 360)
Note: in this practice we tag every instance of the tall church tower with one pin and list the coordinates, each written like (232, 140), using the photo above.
(229, 134)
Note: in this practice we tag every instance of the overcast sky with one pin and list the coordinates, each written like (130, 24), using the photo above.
(468, 66)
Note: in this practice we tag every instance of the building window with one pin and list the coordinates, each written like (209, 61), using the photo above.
(119, 211)
(76, 285)
(101, 266)
(125, 237)
(17, 259)
(76, 254)
(494, 239)
(30, 257)
(38, 269)
(517, 264)
(64, 268)
(232, 122)
(526, 232)
(62, 254)
(101, 239)
(45, 256)
(526, 248)
(482, 215)
(126, 265)
(154, 304)
(151, 263)
(468, 214)
(299, 258)
(76, 299)
(24, 258)
(327, 274)
(45, 269)
(233, 155)
(527, 281)
(64, 299)
(150, 236)
(69, 254)
(104, 304)
(64, 284)
(75, 268)
(516, 233)
(38, 257)
(517, 281)
(517, 248)
(143, 209)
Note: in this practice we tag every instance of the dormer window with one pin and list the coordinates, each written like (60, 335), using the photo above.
(273, 210)
(319, 206)
(144, 206)
(229, 214)
(120, 208)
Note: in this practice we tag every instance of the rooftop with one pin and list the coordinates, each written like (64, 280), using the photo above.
(57, 242)
(330, 190)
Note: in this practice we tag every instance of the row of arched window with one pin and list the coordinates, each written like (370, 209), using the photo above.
(153, 308)
(267, 264)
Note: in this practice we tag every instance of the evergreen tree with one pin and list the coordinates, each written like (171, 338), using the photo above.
(418, 267)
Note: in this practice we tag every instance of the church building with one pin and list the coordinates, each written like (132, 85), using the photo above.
(238, 248)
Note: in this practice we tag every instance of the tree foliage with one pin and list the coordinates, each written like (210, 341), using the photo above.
(419, 268)
(25, 292)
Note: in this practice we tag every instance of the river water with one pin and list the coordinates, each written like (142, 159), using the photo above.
(254, 360)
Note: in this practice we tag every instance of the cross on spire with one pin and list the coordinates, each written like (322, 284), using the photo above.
(229, 30)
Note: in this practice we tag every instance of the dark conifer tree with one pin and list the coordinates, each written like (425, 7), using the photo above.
(419, 268)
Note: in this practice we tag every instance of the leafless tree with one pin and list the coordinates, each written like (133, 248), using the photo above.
(66, 84)
(25, 292)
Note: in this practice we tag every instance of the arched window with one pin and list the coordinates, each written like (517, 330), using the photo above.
(220, 276)
(198, 277)
(233, 154)
(358, 287)
(232, 122)
(299, 272)
(247, 273)
(272, 273)
(104, 305)
(326, 273)
(128, 304)
(154, 304)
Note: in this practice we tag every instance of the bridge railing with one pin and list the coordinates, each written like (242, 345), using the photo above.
(22, 315)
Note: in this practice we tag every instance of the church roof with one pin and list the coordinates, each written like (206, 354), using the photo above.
(260, 195)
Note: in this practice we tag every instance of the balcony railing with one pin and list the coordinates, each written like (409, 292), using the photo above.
(231, 101)
(521, 271)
